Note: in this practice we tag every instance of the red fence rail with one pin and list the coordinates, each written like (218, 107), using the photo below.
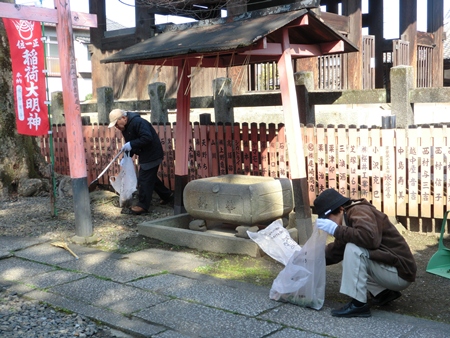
(213, 150)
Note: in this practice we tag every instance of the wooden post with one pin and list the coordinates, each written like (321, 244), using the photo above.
(408, 31)
(72, 109)
(435, 23)
(376, 28)
(182, 140)
(354, 69)
(294, 142)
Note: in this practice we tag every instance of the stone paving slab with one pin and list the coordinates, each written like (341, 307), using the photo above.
(160, 283)
(55, 277)
(222, 296)
(106, 265)
(422, 327)
(168, 260)
(205, 306)
(110, 318)
(202, 321)
(171, 334)
(321, 322)
(292, 333)
(13, 243)
(107, 294)
(47, 253)
(17, 269)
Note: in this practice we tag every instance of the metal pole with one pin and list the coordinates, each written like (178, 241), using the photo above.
(50, 132)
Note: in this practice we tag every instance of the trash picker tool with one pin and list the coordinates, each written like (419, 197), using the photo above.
(94, 183)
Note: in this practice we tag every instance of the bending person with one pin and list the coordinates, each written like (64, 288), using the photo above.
(375, 256)
(142, 140)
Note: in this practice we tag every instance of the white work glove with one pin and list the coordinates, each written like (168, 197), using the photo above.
(126, 147)
(326, 225)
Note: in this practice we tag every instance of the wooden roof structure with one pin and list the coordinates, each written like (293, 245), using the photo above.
(247, 39)
(250, 38)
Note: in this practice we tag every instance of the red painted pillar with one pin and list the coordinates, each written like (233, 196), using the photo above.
(72, 115)
(294, 142)
(183, 129)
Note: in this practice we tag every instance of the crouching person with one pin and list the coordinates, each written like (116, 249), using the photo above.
(375, 256)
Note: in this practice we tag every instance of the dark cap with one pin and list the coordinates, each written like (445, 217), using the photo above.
(328, 201)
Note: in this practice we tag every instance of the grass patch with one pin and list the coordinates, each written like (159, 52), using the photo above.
(241, 268)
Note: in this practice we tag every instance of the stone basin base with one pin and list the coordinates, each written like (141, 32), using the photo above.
(218, 238)
(239, 199)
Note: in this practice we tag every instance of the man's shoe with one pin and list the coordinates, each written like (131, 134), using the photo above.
(385, 297)
(137, 210)
(167, 200)
(351, 310)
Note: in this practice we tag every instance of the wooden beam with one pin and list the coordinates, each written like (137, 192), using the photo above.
(332, 47)
(41, 14)
(435, 22)
(352, 8)
(408, 30)
(338, 22)
(290, 109)
(302, 21)
(300, 50)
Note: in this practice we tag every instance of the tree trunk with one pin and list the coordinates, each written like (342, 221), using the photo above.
(19, 155)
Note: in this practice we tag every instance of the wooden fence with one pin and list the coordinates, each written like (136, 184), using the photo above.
(402, 172)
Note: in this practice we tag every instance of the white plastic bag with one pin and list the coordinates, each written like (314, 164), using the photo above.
(125, 183)
(275, 241)
(302, 281)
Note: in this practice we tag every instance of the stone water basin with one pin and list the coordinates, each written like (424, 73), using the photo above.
(239, 199)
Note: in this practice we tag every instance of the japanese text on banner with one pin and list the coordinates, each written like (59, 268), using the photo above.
(27, 56)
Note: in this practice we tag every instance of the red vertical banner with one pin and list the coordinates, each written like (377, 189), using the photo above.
(27, 56)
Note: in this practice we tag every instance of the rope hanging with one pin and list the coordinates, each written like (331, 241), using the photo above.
(181, 76)
(216, 66)
(240, 77)
(194, 73)
(155, 76)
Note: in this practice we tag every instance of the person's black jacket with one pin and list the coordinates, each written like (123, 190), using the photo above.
(143, 139)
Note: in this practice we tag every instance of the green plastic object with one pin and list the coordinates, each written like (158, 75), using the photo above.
(439, 263)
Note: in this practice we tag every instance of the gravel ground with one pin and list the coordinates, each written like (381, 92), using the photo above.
(28, 319)
(428, 297)
(32, 217)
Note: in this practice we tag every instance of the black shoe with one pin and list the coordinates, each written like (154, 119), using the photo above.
(385, 297)
(167, 200)
(137, 210)
(351, 310)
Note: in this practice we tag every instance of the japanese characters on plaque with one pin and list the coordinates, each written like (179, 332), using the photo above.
(401, 173)
(342, 161)
(353, 165)
(29, 85)
(365, 186)
(413, 184)
(389, 186)
(311, 167)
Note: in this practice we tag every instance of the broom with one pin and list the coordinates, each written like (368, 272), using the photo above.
(64, 246)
